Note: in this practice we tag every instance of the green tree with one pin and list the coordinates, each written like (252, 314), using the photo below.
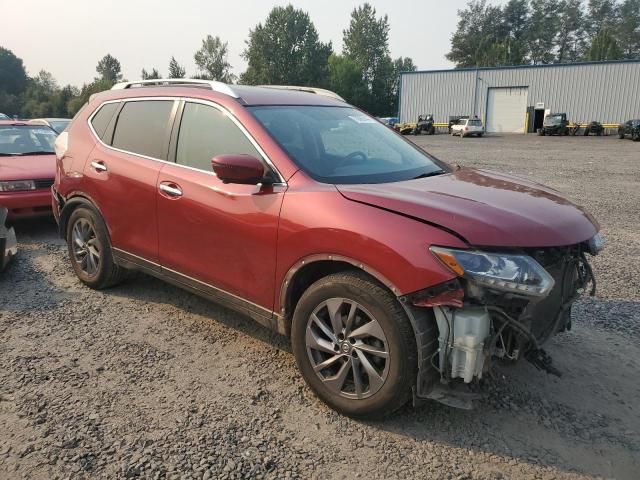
(604, 47)
(286, 50)
(98, 85)
(366, 41)
(212, 60)
(570, 38)
(542, 31)
(601, 15)
(154, 74)
(175, 70)
(345, 78)
(109, 69)
(515, 21)
(366, 45)
(38, 96)
(13, 82)
(628, 29)
(479, 25)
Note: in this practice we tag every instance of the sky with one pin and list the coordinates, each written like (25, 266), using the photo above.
(68, 37)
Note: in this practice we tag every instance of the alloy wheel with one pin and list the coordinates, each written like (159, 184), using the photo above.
(86, 249)
(347, 348)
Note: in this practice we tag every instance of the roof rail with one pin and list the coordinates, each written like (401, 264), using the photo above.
(167, 82)
(317, 91)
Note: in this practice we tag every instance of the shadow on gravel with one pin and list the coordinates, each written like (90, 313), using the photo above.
(40, 229)
(144, 288)
(24, 286)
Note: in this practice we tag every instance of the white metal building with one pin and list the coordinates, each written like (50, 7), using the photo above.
(515, 99)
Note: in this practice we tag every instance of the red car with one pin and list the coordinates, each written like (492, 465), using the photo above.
(394, 274)
(27, 168)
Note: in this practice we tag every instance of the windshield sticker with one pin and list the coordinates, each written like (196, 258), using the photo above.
(362, 119)
(43, 131)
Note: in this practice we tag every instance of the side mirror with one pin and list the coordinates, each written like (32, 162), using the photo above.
(242, 169)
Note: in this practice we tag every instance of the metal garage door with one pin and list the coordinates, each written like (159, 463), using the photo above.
(506, 109)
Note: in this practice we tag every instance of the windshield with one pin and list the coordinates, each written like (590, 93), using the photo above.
(59, 125)
(26, 139)
(345, 146)
(554, 120)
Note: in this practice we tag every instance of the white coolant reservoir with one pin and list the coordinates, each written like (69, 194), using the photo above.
(462, 348)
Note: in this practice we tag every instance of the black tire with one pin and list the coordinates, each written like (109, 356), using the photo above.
(635, 137)
(432, 131)
(541, 132)
(402, 354)
(107, 273)
(586, 132)
(621, 136)
(480, 135)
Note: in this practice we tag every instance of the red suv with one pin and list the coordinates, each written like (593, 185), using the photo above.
(394, 274)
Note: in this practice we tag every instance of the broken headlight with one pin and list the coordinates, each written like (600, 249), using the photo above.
(502, 271)
(595, 244)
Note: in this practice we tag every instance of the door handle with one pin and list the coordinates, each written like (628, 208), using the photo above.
(172, 190)
(99, 166)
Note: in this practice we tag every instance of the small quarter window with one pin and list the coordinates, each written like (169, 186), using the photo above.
(143, 128)
(206, 132)
(101, 119)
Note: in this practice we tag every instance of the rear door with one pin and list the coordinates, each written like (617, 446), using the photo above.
(122, 172)
(220, 235)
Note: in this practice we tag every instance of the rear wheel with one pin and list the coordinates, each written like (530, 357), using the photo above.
(635, 136)
(90, 250)
(354, 345)
(621, 136)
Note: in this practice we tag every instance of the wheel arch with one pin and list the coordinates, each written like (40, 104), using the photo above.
(311, 269)
(71, 204)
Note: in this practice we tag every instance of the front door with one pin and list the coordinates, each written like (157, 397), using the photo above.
(220, 235)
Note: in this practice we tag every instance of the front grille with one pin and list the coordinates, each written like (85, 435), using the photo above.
(43, 183)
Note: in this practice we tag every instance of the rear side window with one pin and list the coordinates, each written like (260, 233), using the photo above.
(143, 128)
(206, 132)
(101, 119)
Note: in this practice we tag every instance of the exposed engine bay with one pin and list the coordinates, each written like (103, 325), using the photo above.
(481, 320)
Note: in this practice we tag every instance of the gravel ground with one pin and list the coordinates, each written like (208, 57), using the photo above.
(145, 380)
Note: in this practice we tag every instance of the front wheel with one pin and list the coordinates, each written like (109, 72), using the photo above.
(354, 345)
(90, 250)
(621, 136)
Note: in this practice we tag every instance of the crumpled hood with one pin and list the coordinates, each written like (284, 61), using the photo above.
(32, 167)
(485, 208)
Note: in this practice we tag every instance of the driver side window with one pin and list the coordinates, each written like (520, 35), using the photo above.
(206, 132)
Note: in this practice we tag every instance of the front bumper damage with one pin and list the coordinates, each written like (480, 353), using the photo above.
(477, 325)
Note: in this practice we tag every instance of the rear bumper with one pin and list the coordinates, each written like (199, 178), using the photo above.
(27, 204)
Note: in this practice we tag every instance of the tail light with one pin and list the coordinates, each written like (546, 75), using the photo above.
(61, 145)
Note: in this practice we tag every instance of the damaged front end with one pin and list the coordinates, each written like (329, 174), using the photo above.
(503, 305)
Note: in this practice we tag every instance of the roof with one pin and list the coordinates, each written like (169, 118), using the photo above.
(515, 67)
(244, 94)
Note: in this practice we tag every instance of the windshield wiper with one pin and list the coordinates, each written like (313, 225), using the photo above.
(36, 152)
(430, 174)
